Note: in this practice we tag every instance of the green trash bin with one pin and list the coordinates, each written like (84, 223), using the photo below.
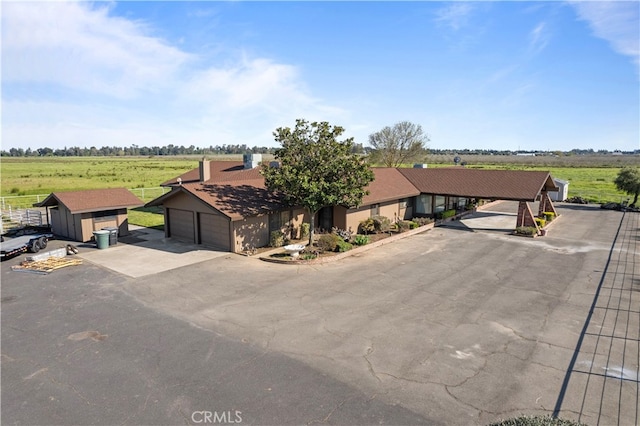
(102, 239)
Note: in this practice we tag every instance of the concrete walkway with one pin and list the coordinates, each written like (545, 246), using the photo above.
(147, 252)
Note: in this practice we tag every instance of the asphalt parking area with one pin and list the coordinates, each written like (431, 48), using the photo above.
(443, 327)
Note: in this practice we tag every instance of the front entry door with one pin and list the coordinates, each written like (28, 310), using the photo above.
(325, 218)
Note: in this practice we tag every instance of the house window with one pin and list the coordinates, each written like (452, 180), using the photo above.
(440, 203)
(405, 203)
(279, 220)
(462, 202)
(105, 216)
(375, 209)
(424, 204)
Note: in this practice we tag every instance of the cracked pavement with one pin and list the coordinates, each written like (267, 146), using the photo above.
(444, 327)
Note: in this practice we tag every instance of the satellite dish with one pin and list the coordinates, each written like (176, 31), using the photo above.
(179, 181)
(456, 159)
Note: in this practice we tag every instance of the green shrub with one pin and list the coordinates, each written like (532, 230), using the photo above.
(536, 421)
(276, 239)
(361, 240)
(328, 242)
(526, 230)
(405, 225)
(384, 223)
(549, 216)
(343, 246)
(374, 224)
(448, 213)
(304, 230)
(421, 221)
(368, 226)
(540, 222)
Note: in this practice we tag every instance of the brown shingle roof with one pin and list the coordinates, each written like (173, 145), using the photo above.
(490, 184)
(219, 171)
(389, 184)
(238, 192)
(93, 200)
(233, 198)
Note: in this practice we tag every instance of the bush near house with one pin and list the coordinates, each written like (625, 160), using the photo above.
(361, 240)
(404, 225)
(526, 230)
(343, 246)
(549, 216)
(385, 223)
(540, 222)
(445, 214)
(304, 231)
(422, 221)
(276, 239)
(328, 242)
(342, 233)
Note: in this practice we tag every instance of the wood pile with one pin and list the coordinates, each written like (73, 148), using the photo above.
(45, 266)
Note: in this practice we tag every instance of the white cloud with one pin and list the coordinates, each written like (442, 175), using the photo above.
(455, 15)
(618, 22)
(74, 74)
(79, 48)
(538, 38)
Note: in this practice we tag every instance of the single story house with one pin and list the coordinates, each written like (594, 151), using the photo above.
(225, 204)
(76, 214)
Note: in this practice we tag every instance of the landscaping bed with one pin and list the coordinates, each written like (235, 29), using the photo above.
(279, 255)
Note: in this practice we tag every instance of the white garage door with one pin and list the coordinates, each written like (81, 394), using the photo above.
(181, 225)
(214, 231)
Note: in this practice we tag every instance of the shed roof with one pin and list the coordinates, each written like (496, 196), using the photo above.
(93, 200)
(480, 183)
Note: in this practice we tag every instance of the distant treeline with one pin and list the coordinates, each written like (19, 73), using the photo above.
(134, 150)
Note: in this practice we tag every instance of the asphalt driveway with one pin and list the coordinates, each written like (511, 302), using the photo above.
(446, 327)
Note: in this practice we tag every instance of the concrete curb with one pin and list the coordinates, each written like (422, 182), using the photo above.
(351, 252)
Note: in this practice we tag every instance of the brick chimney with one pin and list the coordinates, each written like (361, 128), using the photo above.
(205, 170)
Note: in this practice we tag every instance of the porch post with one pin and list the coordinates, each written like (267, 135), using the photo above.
(525, 215)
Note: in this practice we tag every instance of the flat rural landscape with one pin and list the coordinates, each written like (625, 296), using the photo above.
(24, 179)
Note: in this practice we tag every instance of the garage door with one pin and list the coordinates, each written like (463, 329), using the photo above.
(214, 231)
(181, 225)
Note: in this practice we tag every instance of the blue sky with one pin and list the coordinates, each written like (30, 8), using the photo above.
(488, 75)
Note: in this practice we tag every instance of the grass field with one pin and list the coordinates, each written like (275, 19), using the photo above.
(23, 179)
(26, 180)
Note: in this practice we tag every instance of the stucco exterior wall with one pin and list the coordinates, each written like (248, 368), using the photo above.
(251, 231)
(353, 217)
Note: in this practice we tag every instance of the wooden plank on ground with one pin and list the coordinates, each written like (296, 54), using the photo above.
(45, 266)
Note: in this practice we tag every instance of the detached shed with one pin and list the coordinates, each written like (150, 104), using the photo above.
(77, 214)
(563, 190)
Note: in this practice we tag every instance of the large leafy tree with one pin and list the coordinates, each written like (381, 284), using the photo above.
(316, 169)
(403, 143)
(628, 181)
